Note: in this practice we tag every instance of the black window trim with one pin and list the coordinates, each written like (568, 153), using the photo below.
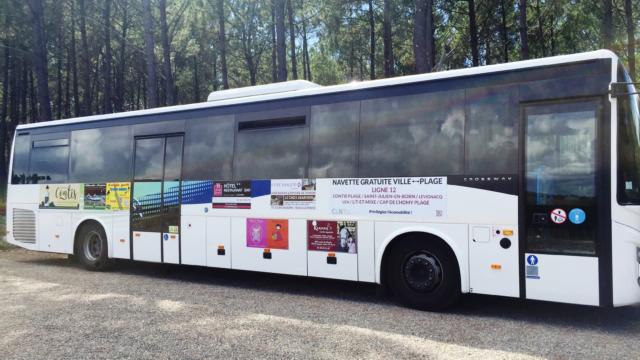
(49, 143)
(600, 195)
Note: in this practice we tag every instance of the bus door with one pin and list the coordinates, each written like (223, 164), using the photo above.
(155, 209)
(559, 207)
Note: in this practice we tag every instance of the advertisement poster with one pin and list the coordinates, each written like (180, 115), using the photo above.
(410, 196)
(272, 234)
(231, 195)
(197, 192)
(118, 196)
(337, 236)
(147, 207)
(67, 196)
(95, 196)
(293, 194)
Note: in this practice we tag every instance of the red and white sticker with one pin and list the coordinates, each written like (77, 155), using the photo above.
(558, 216)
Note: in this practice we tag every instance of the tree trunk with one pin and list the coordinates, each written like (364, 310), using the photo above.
(33, 102)
(169, 86)
(292, 40)
(419, 36)
(14, 93)
(106, 74)
(74, 64)
(120, 91)
(473, 34)
(59, 60)
(387, 40)
(281, 50)
(305, 55)
(306, 63)
(631, 41)
(522, 25)
(67, 87)
(196, 83)
(216, 84)
(3, 114)
(24, 93)
(372, 42)
(222, 44)
(431, 42)
(505, 39)
(152, 94)
(274, 62)
(487, 50)
(40, 58)
(423, 42)
(305, 49)
(85, 61)
(541, 29)
(607, 24)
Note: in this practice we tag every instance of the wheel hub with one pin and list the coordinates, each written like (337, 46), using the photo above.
(422, 272)
(92, 246)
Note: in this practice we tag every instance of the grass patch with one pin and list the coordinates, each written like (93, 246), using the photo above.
(5, 245)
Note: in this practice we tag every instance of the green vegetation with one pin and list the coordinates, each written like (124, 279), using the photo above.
(3, 225)
(70, 58)
(3, 220)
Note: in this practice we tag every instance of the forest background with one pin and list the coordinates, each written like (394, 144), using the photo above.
(70, 58)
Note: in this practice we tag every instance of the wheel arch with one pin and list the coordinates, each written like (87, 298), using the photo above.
(459, 250)
(88, 220)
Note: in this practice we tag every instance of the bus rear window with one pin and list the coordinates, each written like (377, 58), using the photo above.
(21, 159)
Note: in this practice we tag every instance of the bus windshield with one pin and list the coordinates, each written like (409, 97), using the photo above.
(628, 144)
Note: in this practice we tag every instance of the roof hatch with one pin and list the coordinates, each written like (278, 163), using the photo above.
(275, 88)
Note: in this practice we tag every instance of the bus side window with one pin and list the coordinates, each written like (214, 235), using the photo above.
(101, 155)
(272, 149)
(413, 135)
(208, 148)
(491, 131)
(49, 161)
(19, 174)
(334, 140)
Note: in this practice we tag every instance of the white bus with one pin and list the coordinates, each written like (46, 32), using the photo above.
(519, 180)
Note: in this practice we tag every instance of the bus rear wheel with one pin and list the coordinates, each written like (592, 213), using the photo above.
(423, 273)
(91, 247)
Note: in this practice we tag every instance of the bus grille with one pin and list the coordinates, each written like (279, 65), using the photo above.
(24, 226)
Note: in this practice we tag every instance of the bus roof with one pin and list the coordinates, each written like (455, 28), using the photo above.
(321, 90)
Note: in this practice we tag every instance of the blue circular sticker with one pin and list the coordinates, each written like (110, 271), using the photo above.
(532, 260)
(577, 216)
(166, 237)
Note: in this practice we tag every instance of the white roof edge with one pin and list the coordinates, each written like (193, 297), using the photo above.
(320, 90)
(257, 90)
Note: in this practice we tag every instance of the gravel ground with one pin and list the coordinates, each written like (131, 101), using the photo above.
(52, 309)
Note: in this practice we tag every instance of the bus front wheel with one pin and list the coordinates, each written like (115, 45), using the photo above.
(91, 247)
(423, 273)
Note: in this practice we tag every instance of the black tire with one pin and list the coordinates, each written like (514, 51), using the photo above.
(423, 273)
(91, 247)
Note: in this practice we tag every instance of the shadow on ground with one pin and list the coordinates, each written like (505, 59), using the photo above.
(614, 320)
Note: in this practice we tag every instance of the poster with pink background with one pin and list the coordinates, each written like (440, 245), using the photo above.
(256, 233)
